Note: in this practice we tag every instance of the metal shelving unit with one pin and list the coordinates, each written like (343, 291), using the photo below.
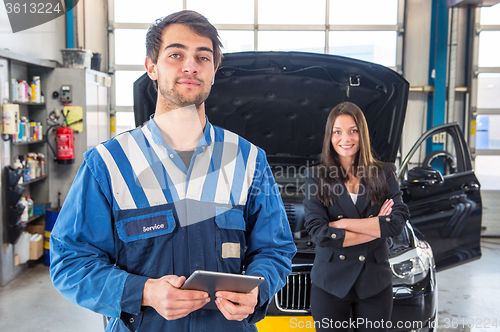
(22, 68)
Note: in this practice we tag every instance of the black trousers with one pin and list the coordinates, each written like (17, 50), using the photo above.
(331, 313)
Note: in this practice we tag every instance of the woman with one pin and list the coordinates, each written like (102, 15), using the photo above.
(353, 203)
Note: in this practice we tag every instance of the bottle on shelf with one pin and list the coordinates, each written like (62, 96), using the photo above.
(24, 215)
(27, 93)
(27, 130)
(43, 169)
(36, 165)
(19, 136)
(33, 131)
(23, 135)
(33, 91)
(18, 164)
(32, 162)
(22, 91)
(29, 201)
(37, 94)
(27, 171)
(15, 89)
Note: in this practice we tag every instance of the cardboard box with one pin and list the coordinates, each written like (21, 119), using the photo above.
(36, 227)
(36, 249)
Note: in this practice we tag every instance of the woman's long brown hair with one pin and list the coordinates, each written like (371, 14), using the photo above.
(331, 173)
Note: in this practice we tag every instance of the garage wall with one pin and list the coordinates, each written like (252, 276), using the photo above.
(416, 68)
(43, 41)
(92, 27)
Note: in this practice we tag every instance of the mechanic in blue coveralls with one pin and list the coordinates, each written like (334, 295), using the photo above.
(154, 204)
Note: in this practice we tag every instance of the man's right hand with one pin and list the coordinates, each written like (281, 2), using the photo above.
(169, 301)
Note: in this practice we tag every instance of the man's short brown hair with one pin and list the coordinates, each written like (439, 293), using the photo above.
(195, 21)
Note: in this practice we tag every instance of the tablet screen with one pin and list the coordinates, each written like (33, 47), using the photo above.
(212, 282)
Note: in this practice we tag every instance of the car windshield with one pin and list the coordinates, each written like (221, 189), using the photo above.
(288, 174)
(290, 179)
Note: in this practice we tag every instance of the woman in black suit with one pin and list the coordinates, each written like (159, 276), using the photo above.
(353, 203)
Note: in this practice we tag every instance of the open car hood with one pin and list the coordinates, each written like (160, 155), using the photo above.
(280, 101)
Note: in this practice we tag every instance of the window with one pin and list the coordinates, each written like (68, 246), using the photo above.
(380, 12)
(304, 41)
(321, 26)
(124, 84)
(490, 15)
(488, 88)
(130, 48)
(488, 48)
(237, 41)
(437, 152)
(128, 11)
(487, 133)
(373, 46)
(487, 85)
(224, 11)
(124, 121)
(292, 12)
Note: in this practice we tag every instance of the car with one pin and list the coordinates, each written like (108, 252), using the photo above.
(280, 101)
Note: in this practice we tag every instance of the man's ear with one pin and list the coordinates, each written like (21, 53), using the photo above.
(151, 69)
(213, 77)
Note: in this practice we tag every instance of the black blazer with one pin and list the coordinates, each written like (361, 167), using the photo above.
(364, 266)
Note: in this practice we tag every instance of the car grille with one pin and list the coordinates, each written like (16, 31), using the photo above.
(295, 295)
(290, 213)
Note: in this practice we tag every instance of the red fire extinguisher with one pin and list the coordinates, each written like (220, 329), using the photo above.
(65, 145)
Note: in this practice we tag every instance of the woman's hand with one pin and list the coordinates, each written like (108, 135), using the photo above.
(337, 224)
(386, 208)
(368, 226)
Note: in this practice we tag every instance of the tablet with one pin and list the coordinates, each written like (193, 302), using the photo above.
(212, 282)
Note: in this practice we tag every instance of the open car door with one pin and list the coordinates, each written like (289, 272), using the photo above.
(442, 192)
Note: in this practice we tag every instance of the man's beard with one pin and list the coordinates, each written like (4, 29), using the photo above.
(174, 97)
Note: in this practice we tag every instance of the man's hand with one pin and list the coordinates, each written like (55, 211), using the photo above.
(237, 306)
(169, 301)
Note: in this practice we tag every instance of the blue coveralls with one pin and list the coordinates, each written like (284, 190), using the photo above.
(135, 212)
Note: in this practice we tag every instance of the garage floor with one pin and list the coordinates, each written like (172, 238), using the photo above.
(467, 294)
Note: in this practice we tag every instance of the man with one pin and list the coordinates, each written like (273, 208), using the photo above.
(150, 206)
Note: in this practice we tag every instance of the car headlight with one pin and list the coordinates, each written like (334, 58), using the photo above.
(410, 267)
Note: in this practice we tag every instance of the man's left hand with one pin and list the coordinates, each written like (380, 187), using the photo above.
(237, 306)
